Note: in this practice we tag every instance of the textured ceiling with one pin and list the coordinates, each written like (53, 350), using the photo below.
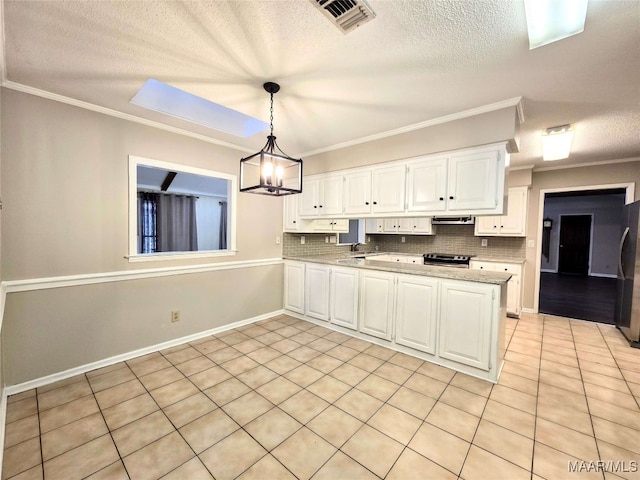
(416, 61)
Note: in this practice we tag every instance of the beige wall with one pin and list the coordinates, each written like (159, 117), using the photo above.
(64, 179)
(567, 178)
(49, 331)
(497, 126)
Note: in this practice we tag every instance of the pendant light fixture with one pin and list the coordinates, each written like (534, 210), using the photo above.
(271, 171)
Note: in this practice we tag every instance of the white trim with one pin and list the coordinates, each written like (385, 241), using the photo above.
(153, 257)
(548, 270)
(11, 286)
(39, 382)
(582, 165)
(527, 310)
(3, 78)
(603, 275)
(232, 200)
(512, 102)
(115, 113)
(3, 420)
(630, 196)
(520, 167)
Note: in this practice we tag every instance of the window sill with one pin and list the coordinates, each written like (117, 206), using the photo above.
(153, 257)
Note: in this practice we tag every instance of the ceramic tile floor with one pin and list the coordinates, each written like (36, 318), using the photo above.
(285, 399)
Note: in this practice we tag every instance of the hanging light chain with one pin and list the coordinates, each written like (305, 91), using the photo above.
(271, 118)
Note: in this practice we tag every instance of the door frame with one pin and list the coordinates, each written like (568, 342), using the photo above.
(590, 238)
(629, 198)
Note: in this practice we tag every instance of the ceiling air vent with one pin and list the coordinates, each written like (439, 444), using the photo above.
(347, 15)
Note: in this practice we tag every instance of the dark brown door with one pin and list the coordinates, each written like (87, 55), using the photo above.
(575, 240)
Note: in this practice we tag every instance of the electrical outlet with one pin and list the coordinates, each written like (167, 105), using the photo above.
(326, 239)
(484, 242)
(175, 316)
(278, 240)
(531, 244)
(401, 239)
(368, 239)
(333, 239)
(302, 239)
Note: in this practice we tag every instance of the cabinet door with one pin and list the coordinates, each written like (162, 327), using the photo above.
(317, 291)
(357, 192)
(340, 225)
(376, 304)
(487, 225)
(473, 179)
(310, 197)
(417, 312)
(422, 225)
(388, 189)
(513, 286)
(322, 225)
(465, 323)
(344, 297)
(405, 225)
(427, 185)
(514, 222)
(294, 286)
(389, 225)
(331, 190)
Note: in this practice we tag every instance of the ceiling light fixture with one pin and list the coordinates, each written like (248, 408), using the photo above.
(271, 171)
(551, 20)
(556, 142)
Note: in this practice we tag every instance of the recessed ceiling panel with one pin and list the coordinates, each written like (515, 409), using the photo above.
(163, 98)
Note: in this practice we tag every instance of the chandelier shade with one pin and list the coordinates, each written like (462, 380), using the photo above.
(271, 171)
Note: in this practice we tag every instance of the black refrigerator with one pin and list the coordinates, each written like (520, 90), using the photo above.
(627, 312)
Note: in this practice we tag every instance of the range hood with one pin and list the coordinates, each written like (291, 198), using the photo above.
(452, 220)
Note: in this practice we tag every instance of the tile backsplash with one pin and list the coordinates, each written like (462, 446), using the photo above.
(454, 239)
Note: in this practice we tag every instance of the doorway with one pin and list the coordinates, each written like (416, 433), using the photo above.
(574, 248)
(577, 277)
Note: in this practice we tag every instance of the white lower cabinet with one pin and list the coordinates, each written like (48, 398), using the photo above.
(465, 323)
(294, 286)
(417, 312)
(376, 303)
(316, 288)
(344, 297)
(455, 323)
(514, 286)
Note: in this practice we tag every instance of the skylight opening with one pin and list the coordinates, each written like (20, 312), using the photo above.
(160, 97)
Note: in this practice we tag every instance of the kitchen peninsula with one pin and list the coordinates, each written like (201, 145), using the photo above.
(454, 317)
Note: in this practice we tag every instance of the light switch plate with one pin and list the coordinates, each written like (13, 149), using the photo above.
(484, 242)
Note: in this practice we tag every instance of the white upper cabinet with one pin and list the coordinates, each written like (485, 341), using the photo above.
(427, 185)
(466, 182)
(357, 192)
(322, 195)
(474, 181)
(514, 223)
(388, 189)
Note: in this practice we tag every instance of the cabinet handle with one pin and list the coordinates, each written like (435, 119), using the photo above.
(375, 203)
(294, 221)
(315, 206)
(366, 203)
(451, 197)
(441, 198)
(320, 206)
(495, 226)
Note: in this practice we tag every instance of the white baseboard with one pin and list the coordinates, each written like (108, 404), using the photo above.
(528, 310)
(603, 275)
(3, 419)
(547, 270)
(39, 382)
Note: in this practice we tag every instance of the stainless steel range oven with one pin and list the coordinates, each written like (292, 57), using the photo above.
(447, 260)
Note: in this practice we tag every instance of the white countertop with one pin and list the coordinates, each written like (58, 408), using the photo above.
(451, 273)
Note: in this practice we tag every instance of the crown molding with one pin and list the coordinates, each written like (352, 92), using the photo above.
(512, 102)
(19, 87)
(582, 165)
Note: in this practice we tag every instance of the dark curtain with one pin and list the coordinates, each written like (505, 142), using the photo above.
(176, 223)
(147, 234)
(222, 245)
